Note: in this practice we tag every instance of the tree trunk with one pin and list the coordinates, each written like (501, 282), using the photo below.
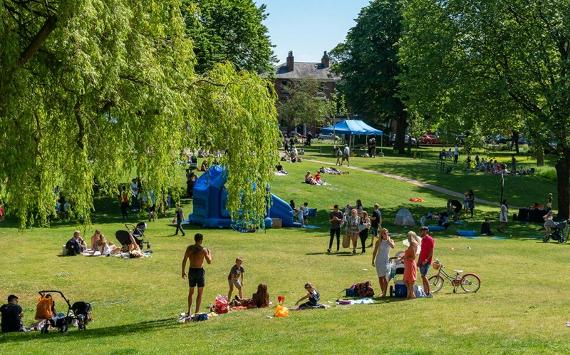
(563, 182)
(400, 143)
(539, 156)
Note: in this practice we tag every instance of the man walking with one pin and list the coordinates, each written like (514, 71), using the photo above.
(179, 220)
(335, 219)
(455, 154)
(426, 254)
(196, 275)
(346, 155)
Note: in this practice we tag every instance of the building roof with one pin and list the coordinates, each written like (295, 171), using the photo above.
(304, 70)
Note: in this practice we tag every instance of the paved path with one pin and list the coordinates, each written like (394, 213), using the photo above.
(412, 181)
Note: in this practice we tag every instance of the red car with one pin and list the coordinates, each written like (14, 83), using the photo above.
(429, 138)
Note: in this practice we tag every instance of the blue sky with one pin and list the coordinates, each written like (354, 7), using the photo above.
(309, 27)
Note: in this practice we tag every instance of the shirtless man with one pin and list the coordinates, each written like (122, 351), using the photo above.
(196, 253)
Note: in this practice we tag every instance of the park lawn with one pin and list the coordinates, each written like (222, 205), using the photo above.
(522, 306)
(424, 168)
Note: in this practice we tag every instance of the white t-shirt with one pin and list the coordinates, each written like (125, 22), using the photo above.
(346, 151)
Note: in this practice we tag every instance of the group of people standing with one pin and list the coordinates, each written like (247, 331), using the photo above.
(422, 245)
(358, 225)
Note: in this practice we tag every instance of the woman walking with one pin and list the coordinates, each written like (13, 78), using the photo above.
(381, 259)
(503, 217)
(410, 271)
(353, 222)
(363, 229)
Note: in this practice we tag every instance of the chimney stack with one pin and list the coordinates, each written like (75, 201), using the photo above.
(325, 60)
(290, 61)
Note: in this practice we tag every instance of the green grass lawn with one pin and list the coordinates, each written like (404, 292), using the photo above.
(486, 186)
(522, 306)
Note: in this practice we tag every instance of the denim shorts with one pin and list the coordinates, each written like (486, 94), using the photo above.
(424, 268)
(235, 282)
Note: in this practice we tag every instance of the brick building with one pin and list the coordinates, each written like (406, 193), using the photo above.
(292, 71)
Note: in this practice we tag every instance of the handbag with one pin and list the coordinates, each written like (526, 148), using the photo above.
(345, 241)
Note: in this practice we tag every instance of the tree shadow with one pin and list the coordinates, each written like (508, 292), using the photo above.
(113, 331)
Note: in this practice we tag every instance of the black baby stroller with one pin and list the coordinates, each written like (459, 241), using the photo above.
(558, 232)
(137, 232)
(79, 312)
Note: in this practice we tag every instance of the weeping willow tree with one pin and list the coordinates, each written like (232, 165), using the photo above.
(97, 89)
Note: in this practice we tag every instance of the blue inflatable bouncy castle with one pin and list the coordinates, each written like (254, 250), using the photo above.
(210, 197)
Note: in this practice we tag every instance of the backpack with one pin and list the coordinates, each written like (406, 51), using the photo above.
(44, 308)
(363, 289)
(71, 248)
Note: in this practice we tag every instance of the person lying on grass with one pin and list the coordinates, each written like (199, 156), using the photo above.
(313, 297)
(260, 299)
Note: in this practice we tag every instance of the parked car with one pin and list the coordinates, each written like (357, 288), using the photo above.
(429, 138)
(330, 137)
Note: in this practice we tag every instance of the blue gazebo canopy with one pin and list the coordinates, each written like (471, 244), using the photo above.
(352, 127)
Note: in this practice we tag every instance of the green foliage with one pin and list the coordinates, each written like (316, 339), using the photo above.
(305, 104)
(499, 64)
(240, 119)
(229, 30)
(107, 89)
(368, 62)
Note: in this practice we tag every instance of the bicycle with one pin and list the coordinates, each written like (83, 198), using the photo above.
(468, 282)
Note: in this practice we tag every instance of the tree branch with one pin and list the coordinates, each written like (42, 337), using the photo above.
(80, 125)
(39, 39)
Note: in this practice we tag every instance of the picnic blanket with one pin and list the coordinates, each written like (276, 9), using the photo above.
(345, 302)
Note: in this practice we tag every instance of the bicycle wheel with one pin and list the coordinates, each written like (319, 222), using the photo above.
(470, 283)
(435, 283)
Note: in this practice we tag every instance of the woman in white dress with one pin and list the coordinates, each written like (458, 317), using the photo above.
(381, 259)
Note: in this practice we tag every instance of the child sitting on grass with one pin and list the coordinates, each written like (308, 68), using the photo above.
(235, 278)
(313, 297)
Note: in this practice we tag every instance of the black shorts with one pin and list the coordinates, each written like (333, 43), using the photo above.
(196, 277)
